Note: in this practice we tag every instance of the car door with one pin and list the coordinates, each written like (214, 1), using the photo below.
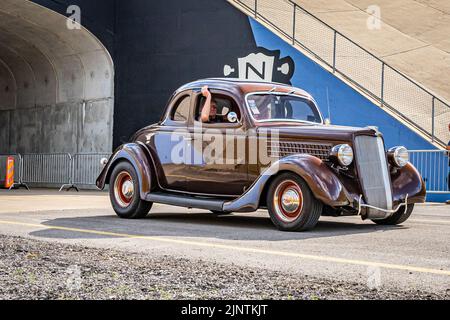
(216, 163)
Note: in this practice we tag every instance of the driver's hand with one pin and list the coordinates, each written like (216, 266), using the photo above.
(205, 91)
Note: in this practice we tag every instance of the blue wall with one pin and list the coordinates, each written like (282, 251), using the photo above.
(347, 107)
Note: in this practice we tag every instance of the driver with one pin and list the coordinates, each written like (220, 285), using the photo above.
(209, 110)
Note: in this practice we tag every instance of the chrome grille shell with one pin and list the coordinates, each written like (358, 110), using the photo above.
(373, 172)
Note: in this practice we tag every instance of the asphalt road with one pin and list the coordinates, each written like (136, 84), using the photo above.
(414, 256)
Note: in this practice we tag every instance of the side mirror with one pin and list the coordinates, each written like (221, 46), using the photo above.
(327, 121)
(232, 117)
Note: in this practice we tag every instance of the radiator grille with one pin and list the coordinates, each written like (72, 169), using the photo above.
(371, 163)
(282, 149)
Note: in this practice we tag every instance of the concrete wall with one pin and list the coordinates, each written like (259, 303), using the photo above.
(65, 127)
(56, 84)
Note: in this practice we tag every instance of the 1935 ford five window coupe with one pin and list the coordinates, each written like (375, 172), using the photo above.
(268, 147)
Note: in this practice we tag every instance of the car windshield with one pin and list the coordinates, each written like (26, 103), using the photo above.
(282, 107)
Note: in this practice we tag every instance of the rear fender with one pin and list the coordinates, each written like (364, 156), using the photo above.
(139, 159)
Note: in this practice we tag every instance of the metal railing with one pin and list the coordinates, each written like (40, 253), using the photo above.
(433, 166)
(390, 88)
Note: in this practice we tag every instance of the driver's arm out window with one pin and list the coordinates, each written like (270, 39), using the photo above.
(224, 105)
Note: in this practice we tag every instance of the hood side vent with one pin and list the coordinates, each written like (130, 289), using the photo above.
(286, 148)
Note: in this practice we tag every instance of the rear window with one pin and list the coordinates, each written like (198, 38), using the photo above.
(181, 110)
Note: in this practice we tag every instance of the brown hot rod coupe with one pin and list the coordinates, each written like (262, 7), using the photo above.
(268, 146)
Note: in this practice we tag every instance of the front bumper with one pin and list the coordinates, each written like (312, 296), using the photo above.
(381, 213)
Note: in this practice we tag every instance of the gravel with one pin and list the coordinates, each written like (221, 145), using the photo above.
(32, 269)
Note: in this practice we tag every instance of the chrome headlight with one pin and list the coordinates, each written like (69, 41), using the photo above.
(398, 156)
(343, 153)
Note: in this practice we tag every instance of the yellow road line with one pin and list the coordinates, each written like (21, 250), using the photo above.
(241, 249)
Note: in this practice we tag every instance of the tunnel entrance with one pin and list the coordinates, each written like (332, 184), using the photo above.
(56, 84)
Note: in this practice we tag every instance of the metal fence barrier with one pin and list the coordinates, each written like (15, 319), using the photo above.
(433, 166)
(392, 89)
(82, 169)
(86, 168)
(59, 169)
(47, 168)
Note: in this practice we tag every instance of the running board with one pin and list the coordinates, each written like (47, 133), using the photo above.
(185, 201)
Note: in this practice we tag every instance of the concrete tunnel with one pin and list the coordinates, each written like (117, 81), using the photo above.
(56, 84)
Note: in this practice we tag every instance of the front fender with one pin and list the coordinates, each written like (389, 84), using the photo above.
(137, 156)
(408, 181)
(323, 183)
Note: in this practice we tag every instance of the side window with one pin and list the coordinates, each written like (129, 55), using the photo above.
(180, 111)
(224, 105)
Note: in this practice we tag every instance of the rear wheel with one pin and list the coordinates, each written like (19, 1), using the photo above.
(397, 218)
(291, 204)
(124, 193)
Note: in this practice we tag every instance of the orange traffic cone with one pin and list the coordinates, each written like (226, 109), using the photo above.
(9, 172)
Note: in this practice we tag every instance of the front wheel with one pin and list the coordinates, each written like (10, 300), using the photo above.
(291, 204)
(397, 218)
(124, 193)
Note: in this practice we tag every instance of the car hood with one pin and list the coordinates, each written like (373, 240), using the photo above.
(317, 131)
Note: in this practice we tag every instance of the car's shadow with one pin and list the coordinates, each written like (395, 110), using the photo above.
(198, 225)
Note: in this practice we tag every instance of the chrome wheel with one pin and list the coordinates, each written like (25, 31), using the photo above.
(123, 189)
(288, 201)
